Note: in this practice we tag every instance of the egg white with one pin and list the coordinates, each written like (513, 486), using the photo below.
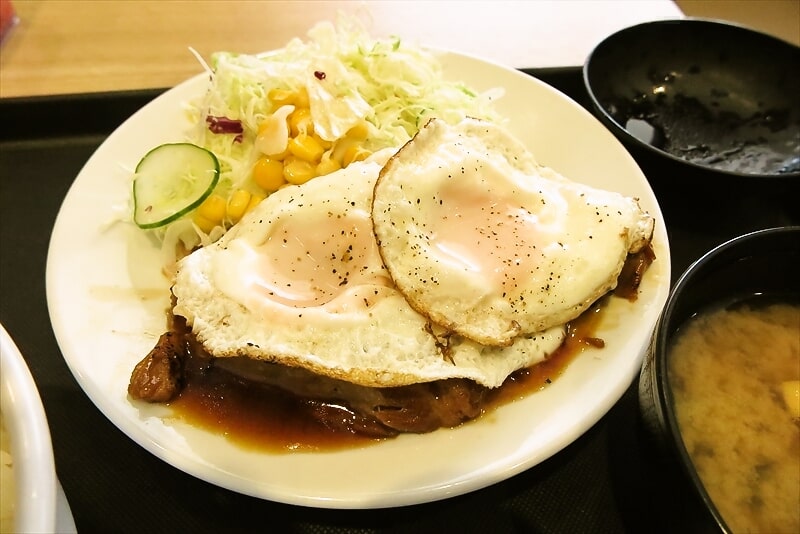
(300, 281)
(489, 244)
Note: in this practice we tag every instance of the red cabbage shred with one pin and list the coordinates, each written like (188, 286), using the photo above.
(224, 125)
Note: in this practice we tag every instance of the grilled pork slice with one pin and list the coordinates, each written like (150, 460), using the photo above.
(159, 376)
(336, 404)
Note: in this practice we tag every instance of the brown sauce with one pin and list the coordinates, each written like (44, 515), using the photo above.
(258, 417)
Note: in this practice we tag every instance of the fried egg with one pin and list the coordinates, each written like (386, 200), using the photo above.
(300, 281)
(487, 243)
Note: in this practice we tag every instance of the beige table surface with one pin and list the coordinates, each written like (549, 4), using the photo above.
(65, 46)
(62, 46)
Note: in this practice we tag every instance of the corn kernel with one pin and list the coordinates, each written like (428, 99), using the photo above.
(306, 148)
(354, 153)
(791, 396)
(237, 205)
(297, 171)
(301, 98)
(280, 156)
(324, 143)
(327, 166)
(213, 208)
(281, 97)
(300, 122)
(255, 200)
(204, 224)
(359, 131)
(268, 174)
(340, 146)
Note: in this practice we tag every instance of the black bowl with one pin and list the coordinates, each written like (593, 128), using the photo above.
(764, 263)
(712, 112)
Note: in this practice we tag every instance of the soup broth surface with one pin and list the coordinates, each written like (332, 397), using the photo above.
(727, 371)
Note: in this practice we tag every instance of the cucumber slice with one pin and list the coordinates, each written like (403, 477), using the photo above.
(171, 180)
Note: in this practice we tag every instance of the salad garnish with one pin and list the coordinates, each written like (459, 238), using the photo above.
(282, 118)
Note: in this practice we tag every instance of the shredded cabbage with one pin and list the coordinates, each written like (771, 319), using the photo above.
(349, 77)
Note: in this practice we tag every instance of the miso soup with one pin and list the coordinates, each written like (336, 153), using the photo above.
(734, 375)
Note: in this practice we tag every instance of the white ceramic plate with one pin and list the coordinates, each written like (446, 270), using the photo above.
(107, 301)
(34, 469)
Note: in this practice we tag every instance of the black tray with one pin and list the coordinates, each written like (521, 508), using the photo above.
(603, 482)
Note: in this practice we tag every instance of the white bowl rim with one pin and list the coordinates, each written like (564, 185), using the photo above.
(30, 442)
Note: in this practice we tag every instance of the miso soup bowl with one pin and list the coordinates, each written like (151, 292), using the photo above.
(765, 262)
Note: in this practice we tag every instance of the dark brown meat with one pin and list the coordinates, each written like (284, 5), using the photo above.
(341, 405)
(425, 407)
(336, 404)
(338, 418)
(159, 376)
(632, 272)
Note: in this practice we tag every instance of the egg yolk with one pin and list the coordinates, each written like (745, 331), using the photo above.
(306, 261)
(479, 224)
